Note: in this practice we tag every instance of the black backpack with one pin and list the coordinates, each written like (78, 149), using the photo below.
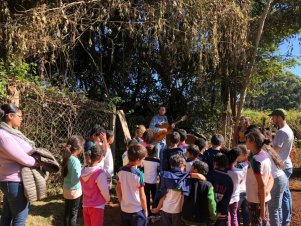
(195, 208)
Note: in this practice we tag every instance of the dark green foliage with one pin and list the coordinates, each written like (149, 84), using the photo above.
(280, 92)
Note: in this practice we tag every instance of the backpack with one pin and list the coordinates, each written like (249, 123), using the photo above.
(195, 206)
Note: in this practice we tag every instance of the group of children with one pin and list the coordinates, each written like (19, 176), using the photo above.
(88, 185)
(186, 185)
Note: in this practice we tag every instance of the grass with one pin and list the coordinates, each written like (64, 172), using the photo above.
(47, 212)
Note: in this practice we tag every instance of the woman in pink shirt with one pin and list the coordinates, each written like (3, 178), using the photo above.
(14, 154)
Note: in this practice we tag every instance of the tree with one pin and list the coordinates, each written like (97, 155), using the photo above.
(148, 52)
(279, 92)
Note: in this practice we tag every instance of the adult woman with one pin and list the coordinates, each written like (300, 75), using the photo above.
(14, 153)
(259, 179)
(239, 135)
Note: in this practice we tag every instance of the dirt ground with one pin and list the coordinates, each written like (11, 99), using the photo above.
(112, 212)
(296, 221)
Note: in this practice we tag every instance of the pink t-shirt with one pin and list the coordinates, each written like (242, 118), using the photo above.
(13, 155)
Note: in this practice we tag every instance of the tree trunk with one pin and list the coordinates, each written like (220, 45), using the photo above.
(225, 103)
(249, 69)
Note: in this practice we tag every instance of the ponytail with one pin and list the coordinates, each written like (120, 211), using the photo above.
(96, 153)
(67, 154)
(74, 143)
(276, 158)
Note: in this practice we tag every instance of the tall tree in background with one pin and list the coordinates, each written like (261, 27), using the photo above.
(196, 54)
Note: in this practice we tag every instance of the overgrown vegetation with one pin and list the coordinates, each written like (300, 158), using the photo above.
(191, 54)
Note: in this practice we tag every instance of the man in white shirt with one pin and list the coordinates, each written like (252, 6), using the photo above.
(283, 143)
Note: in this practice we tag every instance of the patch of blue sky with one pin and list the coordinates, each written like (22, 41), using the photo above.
(291, 48)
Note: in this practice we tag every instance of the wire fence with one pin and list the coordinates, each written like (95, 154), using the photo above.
(50, 118)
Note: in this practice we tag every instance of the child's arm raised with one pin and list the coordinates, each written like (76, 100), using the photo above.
(118, 191)
(143, 200)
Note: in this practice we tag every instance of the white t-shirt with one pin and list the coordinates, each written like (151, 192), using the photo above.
(107, 163)
(237, 176)
(189, 164)
(173, 201)
(276, 172)
(130, 179)
(244, 166)
(284, 139)
(259, 164)
(151, 166)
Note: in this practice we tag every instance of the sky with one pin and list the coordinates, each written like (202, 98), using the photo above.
(295, 53)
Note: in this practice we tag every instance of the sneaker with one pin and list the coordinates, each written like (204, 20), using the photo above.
(155, 218)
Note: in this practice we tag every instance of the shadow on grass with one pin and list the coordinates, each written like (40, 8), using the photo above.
(51, 208)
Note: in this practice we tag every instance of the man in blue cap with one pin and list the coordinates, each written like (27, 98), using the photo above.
(283, 143)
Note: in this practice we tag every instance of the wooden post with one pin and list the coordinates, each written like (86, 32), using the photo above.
(124, 125)
(112, 126)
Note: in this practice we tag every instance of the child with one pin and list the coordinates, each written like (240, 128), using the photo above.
(243, 204)
(72, 190)
(199, 207)
(217, 143)
(170, 151)
(191, 155)
(223, 187)
(95, 189)
(125, 159)
(97, 136)
(172, 187)
(236, 175)
(259, 179)
(107, 163)
(151, 167)
(148, 138)
(139, 131)
(280, 180)
(183, 138)
(130, 189)
(201, 143)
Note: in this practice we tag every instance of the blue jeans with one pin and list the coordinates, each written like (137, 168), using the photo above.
(275, 204)
(15, 205)
(287, 200)
(243, 204)
(159, 146)
(133, 219)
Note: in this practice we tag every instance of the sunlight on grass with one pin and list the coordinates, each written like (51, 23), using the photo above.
(48, 212)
